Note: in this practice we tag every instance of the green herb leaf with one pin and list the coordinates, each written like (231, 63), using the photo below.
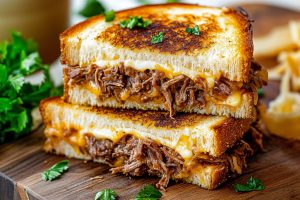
(107, 194)
(133, 22)
(19, 58)
(92, 8)
(260, 92)
(21, 121)
(5, 105)
(17, 82)
(157, 38)
(144, 1)
(148, 192)
(193, 31)
(172, 1)
(252, 184)
(3, 75)
(55, 171)
(3, 50)
(109, 15)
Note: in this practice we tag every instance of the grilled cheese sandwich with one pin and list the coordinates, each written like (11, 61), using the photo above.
(204, 150)
(210, 73)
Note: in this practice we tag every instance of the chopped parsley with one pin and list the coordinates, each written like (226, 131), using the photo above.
(18, 98)
(133, 22)
(157, 38)
(92, 8)
(193, 31)
(260, 92)
(144, 1)
(148, 192)
(251, 185)
(172, 1)
(149, 2)
(55, 171)
(109, 15)
(107, 194)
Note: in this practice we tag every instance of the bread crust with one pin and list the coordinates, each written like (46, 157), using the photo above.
(225, 130)
(222, 132)
(177, 43)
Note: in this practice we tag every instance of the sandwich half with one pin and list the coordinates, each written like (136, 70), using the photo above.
(198, 149)
(212, 72)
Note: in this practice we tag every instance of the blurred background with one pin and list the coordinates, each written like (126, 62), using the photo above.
(45, 20)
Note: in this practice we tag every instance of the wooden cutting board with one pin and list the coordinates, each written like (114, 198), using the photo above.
(22, 161)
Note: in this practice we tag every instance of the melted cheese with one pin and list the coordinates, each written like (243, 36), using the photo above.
(182, 145)
(233, 100)
(169, 70)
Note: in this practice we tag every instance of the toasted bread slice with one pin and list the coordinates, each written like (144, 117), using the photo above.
(223, 49)
(146, 142)
(209, 134)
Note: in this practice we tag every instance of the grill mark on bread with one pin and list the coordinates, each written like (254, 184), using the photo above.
(176, 39)
(240, 21)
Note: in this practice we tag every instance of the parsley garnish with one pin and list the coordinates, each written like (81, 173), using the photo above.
(260, 92)
(157, 38)
(193, 31)
(252, 184)
(107, 194)
(92, 8)
(18, 98)
(172, 1)
(148, 192)
(144, 1)
(55, 171)
(109, 15)
(135, 22)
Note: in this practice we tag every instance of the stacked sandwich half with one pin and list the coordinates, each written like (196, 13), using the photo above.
(164, 90)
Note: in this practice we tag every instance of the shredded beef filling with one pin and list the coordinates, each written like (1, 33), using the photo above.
(180, 91)
(139, 157)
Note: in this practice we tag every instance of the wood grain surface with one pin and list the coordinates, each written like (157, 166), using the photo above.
(22, 161)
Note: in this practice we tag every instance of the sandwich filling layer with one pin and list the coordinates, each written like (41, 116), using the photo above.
(179, 91)
(135, 156)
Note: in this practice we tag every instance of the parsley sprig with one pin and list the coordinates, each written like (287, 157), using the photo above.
(260, 92)
(251, 185)
(148, 192)
(92, 8)
(107, 194)
(109, 15)
(55, 171)
(193, 31)
(133, 22)
(157, 38)
(18, 59)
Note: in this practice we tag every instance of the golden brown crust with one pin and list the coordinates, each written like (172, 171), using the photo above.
(150, 118)
(246, 35)
(176, 40)
(231, 129)
(226, 131)
(220, 175)
(161, 119)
